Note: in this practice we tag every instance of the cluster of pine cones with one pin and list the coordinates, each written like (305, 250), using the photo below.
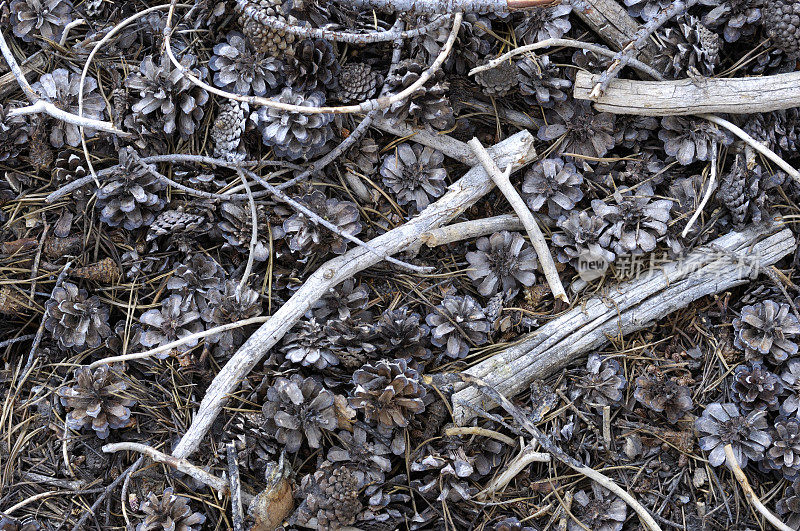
(165, 239)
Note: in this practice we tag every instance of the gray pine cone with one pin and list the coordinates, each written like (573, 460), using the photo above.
(294, 135)
(314, 65)
(766, 330)
(237, 226)
(400, 334)
(428, 106)
(97, 400)
(172, 322)
(169, 513)
(554, 183)
(585, 131)
(358, 82)
(388, 392)
(502, 262)
(541, 82)
(14, 133)
(178, 222)
(330, 497)
(168, 100)
(61, 88)
(602, 383)
(782, 21)
(237, 68)
(784, 454)
(276, 43)
(40, 18)
(229, 304)
(75, 319)
(307, 237)
(307, 344)
(689, 140)
(602, 511)
(228, 129)
(130, 197)
(193, 279)
(580, 234)
(500, 80)
(723, 424)
(457, 324)
(415, 174)
(299, 409)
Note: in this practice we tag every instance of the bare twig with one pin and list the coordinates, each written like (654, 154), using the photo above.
(178, 342)
(558, 453)
(625, 56)
(526, 456)
(32, 96)
(381, 102)
(501, 179)
(749, 493)
(570, 43)
(712, 182)
(468, 230)
(517, 149)
(235, 486)
(253, 11)
(182, 465)
(253, 233)
(45, 107)
(113, 485)
(477, 430)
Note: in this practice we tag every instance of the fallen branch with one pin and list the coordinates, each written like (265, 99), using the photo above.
(517, 150)
(736, 95)
(749, 493)
(547, 445)
(632, 306)
(469, 230)
(182, 465)
(526, 456)
(501, 179)
(446, 6)
(45, 107)
(612, 23)
(9, 83)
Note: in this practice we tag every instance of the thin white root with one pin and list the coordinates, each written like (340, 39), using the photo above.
(42, 106)
(758, 146)
(253, 235)
(178, 342)
(712, 182)
(749, 493)
(501, 179)
(526, 456)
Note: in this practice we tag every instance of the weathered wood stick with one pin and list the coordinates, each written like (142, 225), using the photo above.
(468, 230)
(738, 95)
(614, 25)
(630, 307)
(8, 83)
(517, 150)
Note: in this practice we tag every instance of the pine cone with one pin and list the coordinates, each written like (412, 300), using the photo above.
(314, 63)
(97, 399)
(330, 498)
(603, 511)
(541, 82)
(585, 131)
(40, 18)
(400, 334)
(782, 21)
(723, 424)
(276, 43)
(689, 140)
(229, 304)
(14, 133)
(457, 323)
(367, 454)
(170, 513)
(308, 345)
(170, 323)
(130, 196)
(237, 226)
(388, 392)
(739, 17)
(168, 100)
(754, 387)
(61, 87)
(546, 22)
(299, 409)
(358, 82)
(690, 47)
(193, 279)
(784, 454)
(342, 302)
(580, 236)
(555, 183)
(228, 129)
(307, 237)
(449, 480)
(428, 106)
(765, 330)
(239, 69)
(602, 383)
(294, 135)
(178, 222)
(415, 174)
(663, 396)
(76, 320)
(502, 263)
(500, 80)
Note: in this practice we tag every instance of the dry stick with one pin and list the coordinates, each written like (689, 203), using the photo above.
(11, 341)
(476, 430)
(235, 487)
(501, 179)
(447, 6)
(8, 81)
(558, 453)
(32, 96)
(517, 149)
(569, 43)
(712, 181)
(749, 493)
(79, 525)
(625, 56)
(182, 465)
(468, 230)
(253, 234)
(253, 11)
(381, 102)
(178, 342)
(527, 455)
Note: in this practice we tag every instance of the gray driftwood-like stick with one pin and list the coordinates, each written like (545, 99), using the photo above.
(468, 230)
(8, 83)
(628, 307)
(517, 150)
(614, 25)
(455, 149)
(742, 95)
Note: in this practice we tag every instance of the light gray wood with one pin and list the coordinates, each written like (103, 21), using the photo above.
(737, 95)
(624, 309)
(31, 66)
(613, 24)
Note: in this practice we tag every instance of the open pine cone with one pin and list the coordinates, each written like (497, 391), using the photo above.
(75, 319)
(97, 399)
